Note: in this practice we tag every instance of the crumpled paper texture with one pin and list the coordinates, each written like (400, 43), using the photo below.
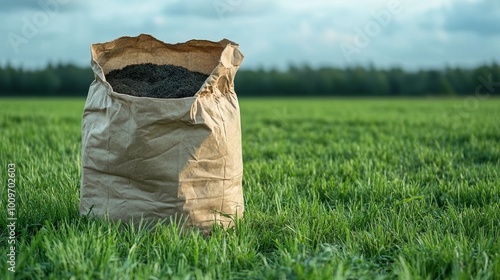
(154, 158)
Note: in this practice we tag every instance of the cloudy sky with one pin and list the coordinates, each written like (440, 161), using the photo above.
(408, 33)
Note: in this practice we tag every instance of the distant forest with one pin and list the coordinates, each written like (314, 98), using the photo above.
(71, 80)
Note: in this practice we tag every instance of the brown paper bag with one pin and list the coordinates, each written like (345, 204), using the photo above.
(157, 158)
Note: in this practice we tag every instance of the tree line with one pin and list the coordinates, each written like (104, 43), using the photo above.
(72, 80)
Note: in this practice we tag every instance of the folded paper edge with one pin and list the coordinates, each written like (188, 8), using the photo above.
(229, 62)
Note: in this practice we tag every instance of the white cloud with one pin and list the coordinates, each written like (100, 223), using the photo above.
(270, 33)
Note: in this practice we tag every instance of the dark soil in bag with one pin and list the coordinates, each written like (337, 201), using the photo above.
(158, 81)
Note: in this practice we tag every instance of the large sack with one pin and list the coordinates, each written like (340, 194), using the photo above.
(157, 158)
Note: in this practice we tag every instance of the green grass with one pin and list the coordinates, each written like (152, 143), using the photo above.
(334, 188)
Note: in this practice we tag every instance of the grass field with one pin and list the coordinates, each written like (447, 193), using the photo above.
(334, 188)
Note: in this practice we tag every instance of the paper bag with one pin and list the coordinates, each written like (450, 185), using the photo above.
(151, 158)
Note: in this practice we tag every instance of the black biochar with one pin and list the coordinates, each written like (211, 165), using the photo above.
(157, 81)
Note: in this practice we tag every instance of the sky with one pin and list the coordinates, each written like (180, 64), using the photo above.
(412, 34)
